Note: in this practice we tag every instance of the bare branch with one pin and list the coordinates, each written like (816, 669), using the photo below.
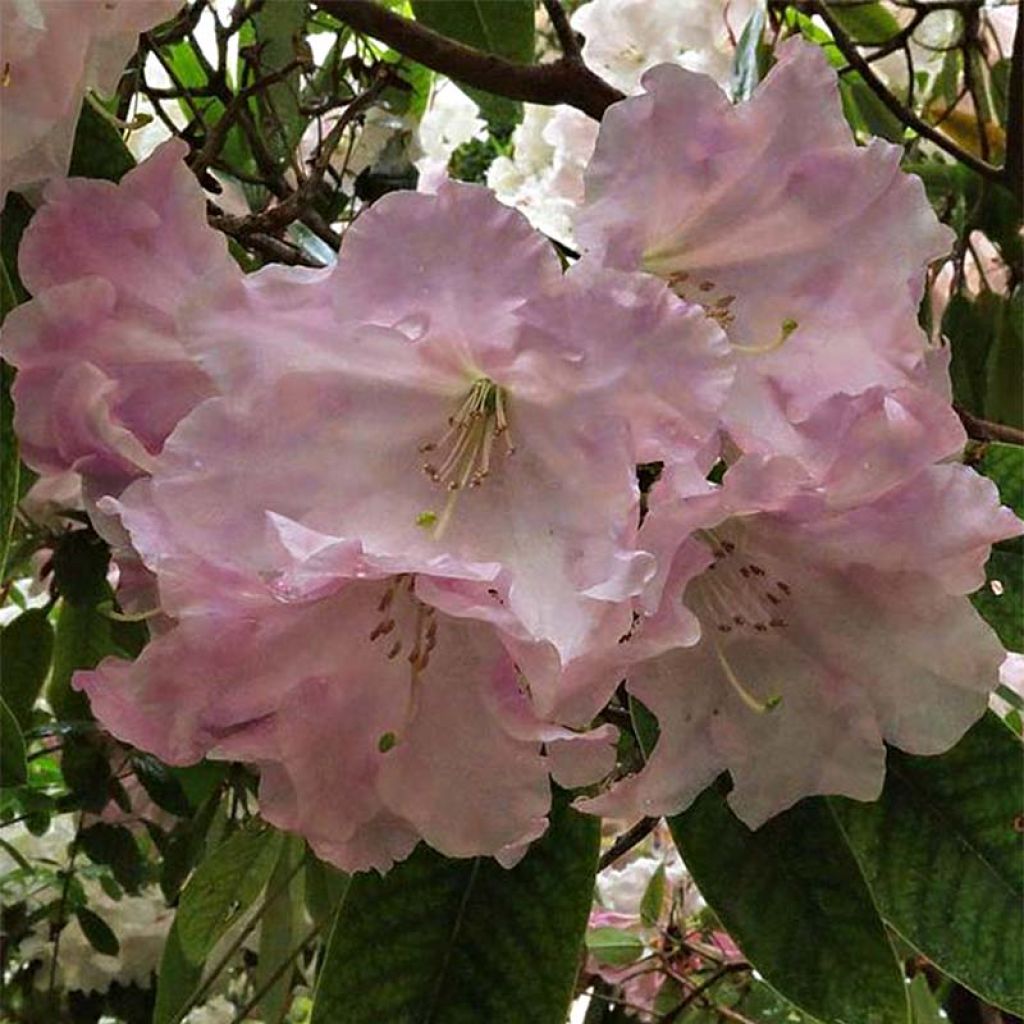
(906, 117)
(562, 81)
(567, 37)
(630, 838)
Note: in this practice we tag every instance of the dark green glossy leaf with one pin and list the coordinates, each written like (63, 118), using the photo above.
(503, 27)
(13, 771)
(86, 773)
(942, 851)
(26, 650)
(1001, 599)
(793, 897)
(438, 941)
(98, 932)
(99, 151)
(161, 784)
(223, 887)
(114, 846)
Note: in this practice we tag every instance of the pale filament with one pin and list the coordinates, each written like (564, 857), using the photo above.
(467, 445)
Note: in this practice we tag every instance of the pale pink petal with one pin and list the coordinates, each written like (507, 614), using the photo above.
(103, 376)
(52, 51)
(739, 207)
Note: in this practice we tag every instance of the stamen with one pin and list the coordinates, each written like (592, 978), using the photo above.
(467, 446)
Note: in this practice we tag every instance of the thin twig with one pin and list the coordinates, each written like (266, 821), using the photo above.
(985, 430)
(567, 37)
(630, 838)
(561, 81)
(906, 117)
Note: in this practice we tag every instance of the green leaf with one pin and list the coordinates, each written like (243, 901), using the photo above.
(793, 897)
(502, 27)
(86, 773)
(13, 771)
(438, 941)
(161, 784)
(866, 23)
(325, 888)
(942, 851)
(223, 887)
(83, 638)
(98, 932)
(924, 1009)
(1001, 599)
(1004, 402)
(613, 946)
(654, 897)
(280, 32)
(98, 151)
(177, 980)
(750, 61)
(26, 650)
(280, 928)
(114, 846)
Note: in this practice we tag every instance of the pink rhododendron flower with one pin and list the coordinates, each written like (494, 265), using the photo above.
(51, 52)
(102, 373)
(375, 719)
(475, 429)
(771, 217)
(458, 418)
(807, 616)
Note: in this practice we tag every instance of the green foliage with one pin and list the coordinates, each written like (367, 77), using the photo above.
(751, 60)
(440, 941)
(97, 931)
(942, 852)
(613, 946)
(223, 888)
(176, 981)
(280, 928)
(279, 41)
(792, 895)
(867, 23)
(26, 650)
(503, 27)
(99, 151)
(1001, 600)
(115, 846)
(13, 771)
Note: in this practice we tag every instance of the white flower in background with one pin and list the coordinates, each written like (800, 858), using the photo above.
(544, 179)
(140, 922)
(552, 146)
(450, 120)
(626, 37)
(1011, 675)
(217, 1011)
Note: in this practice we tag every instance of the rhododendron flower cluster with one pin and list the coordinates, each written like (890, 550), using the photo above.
(388, 511)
